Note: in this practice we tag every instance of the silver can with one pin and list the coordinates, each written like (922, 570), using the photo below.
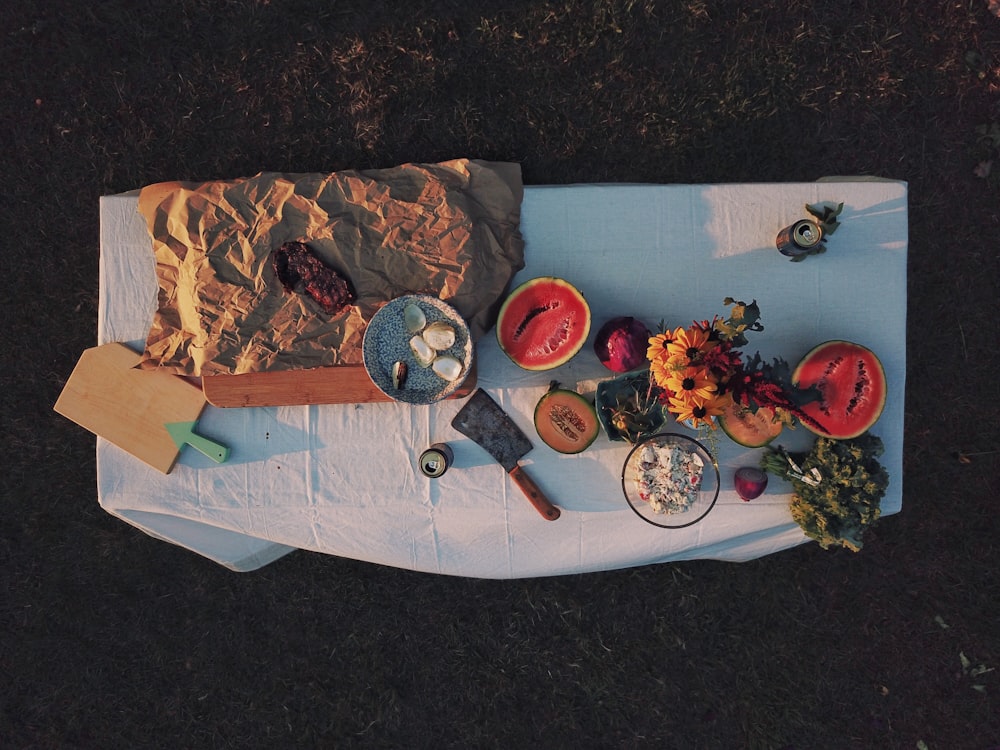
(800, 238)
(435, 460)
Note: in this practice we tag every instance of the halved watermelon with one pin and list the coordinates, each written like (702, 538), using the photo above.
(750, 429)
(543, 323)
(852, 387)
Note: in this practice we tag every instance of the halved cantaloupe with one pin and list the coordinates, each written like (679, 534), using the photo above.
(565, 420)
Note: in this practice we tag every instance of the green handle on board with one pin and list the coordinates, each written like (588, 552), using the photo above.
(183, 434)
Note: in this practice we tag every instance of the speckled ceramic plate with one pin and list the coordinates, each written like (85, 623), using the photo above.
(387, 341)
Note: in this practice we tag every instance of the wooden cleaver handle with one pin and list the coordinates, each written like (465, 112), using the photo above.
(534, 494)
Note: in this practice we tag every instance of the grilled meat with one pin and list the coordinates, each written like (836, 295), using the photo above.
(299, 269)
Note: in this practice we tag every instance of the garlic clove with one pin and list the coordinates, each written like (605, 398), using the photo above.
(414, 318)
(399, 370)
(439, 335)
(422, 351)
(447, 367)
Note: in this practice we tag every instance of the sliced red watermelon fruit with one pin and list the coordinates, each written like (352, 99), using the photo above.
(851, 382)
(543, 323)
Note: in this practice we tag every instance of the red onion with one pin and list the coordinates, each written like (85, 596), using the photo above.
(621, 344)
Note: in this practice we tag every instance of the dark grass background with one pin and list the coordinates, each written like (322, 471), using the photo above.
(110, 639)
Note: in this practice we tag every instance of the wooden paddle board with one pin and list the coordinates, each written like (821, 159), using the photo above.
(342, 384)
(130, 407)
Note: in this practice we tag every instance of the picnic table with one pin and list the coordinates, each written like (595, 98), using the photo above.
(342, 479)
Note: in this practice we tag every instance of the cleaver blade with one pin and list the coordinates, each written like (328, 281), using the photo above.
(482, 420)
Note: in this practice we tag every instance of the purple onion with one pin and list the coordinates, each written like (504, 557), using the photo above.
(621, 344)
(749, 482)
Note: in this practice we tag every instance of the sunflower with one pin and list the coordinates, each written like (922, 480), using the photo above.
(660, 371)
(691, 383)
(690, 343)
(716, 405)
(664, 368)
(658, 344)
(699, 412)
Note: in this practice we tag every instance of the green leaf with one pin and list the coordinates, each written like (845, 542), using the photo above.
(826, 215)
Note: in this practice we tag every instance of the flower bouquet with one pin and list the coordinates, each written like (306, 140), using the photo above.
(700, 371)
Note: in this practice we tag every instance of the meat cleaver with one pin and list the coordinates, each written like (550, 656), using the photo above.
(487, 424)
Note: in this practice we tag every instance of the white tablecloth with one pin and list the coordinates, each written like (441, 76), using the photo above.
(343, 479)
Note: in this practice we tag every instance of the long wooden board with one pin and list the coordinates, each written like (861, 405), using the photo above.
(108, 396)
(343, 384)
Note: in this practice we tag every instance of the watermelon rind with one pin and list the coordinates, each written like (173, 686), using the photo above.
(543, 323)
(849, 406)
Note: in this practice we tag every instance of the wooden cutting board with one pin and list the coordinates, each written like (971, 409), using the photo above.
(343, 384)
(129, 407)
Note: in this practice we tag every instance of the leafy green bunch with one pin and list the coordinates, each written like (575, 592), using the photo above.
(838, 487)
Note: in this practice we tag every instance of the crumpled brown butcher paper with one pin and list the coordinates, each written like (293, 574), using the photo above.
(450, 230)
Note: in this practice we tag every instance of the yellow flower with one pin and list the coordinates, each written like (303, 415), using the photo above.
(665, 368)
(658, 344)
(691, 383)
(690, 343)
(696, 411)
(716, 405)
(660, 371)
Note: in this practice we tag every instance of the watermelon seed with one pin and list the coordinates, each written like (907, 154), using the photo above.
(532, 314)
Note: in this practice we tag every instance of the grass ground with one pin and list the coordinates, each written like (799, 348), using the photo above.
(111, 639)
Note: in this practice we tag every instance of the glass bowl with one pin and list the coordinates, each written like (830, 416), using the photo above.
(670, 480)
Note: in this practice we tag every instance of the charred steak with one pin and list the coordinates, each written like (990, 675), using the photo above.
(295, 264)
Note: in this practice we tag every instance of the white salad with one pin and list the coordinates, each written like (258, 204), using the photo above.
(668, 477)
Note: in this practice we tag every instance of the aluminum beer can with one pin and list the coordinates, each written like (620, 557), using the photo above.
(799, 238)
(435, 460)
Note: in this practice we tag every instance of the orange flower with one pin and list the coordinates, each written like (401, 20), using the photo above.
(690, 343)
(691, 383)
(664, 368)
(660, 371)
(696, 411)
(716, 405)
(658, 345)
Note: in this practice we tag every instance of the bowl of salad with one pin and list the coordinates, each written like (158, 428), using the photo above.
(670, 480)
